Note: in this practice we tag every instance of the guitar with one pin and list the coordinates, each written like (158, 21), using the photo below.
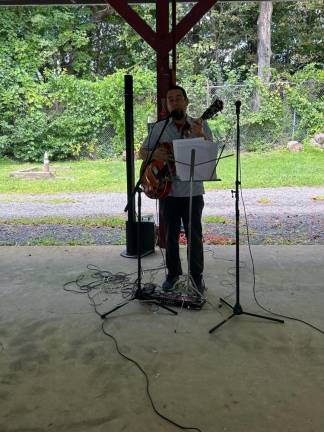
(157, 177)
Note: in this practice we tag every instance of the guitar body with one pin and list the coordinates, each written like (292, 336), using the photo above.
(157, 177)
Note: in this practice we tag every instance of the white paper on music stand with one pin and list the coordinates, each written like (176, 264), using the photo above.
(205, 158)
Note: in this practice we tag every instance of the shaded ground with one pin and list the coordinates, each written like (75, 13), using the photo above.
(263, 229)
(60, 373)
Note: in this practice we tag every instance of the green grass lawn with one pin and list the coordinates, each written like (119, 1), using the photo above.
(259, 170)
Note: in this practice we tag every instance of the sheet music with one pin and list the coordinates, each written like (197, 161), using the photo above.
(205, 158)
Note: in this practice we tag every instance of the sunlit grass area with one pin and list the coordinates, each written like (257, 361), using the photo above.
(274, 169)
(259, 170)
(84, 176)
(109, 221)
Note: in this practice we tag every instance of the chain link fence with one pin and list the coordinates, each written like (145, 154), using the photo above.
(284, 124)
(105, 142)
(276, 121)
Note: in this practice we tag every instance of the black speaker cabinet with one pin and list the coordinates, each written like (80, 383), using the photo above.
(147, 239)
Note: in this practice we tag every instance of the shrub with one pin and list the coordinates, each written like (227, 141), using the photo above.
(68, 117)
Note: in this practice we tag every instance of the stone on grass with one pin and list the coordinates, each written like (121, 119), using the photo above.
(31, 174)
(295, 146)
(317, 140)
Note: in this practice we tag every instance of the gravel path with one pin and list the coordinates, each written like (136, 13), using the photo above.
(276, 216)
(284, 201)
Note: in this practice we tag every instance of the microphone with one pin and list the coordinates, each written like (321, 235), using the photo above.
(238, 106)
(177, 115)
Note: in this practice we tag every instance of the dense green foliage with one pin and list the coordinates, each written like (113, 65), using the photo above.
(305, 95)
(62, 69)
(291, 107)
(51, 94)
(68, 117)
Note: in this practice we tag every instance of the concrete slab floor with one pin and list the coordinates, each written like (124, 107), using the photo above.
(59, 372)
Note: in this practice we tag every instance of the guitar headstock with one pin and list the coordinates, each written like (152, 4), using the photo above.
(214, 108)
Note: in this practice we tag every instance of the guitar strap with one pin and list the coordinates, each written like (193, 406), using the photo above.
(185, 130)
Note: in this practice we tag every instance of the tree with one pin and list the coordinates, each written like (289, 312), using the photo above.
(53, 59)
(224, 39)
(264, 48)
(297, 35)
(264, 41)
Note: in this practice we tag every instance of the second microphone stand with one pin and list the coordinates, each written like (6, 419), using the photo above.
(237, 308)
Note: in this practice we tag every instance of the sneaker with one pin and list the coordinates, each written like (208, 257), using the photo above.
(169, 282)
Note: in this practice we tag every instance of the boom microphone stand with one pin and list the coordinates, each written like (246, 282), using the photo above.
(237, 308)
(139, 293)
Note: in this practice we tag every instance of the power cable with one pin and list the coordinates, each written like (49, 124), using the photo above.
(108, 279)
(141, 369)
(254, 281)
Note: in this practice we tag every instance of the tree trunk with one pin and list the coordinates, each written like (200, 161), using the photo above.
(264, 47)
(264, 41)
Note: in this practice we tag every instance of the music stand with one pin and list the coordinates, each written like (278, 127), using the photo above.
(237, 308)
(204, 170)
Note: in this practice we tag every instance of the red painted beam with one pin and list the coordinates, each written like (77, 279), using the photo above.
(187, 22)
(136, 22)
(162, 40)
(162, 56)
(79, 2)
(192, 17)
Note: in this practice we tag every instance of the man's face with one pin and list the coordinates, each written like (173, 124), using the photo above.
(176, 101)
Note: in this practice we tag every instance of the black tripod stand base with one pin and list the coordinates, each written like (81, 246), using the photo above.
(237, 310)
(138, 297)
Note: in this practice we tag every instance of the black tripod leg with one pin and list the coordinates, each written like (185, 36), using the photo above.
(165, 307)
(225, 302)
(264, 317)
(221, 323)
(238, 311)
(103, 316)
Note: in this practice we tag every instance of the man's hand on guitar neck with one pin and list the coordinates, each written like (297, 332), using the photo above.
(196, 129)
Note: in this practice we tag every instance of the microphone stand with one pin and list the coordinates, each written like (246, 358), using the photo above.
(237, 308)
(139, 294)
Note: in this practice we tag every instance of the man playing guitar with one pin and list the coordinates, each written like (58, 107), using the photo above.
(175, 206)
